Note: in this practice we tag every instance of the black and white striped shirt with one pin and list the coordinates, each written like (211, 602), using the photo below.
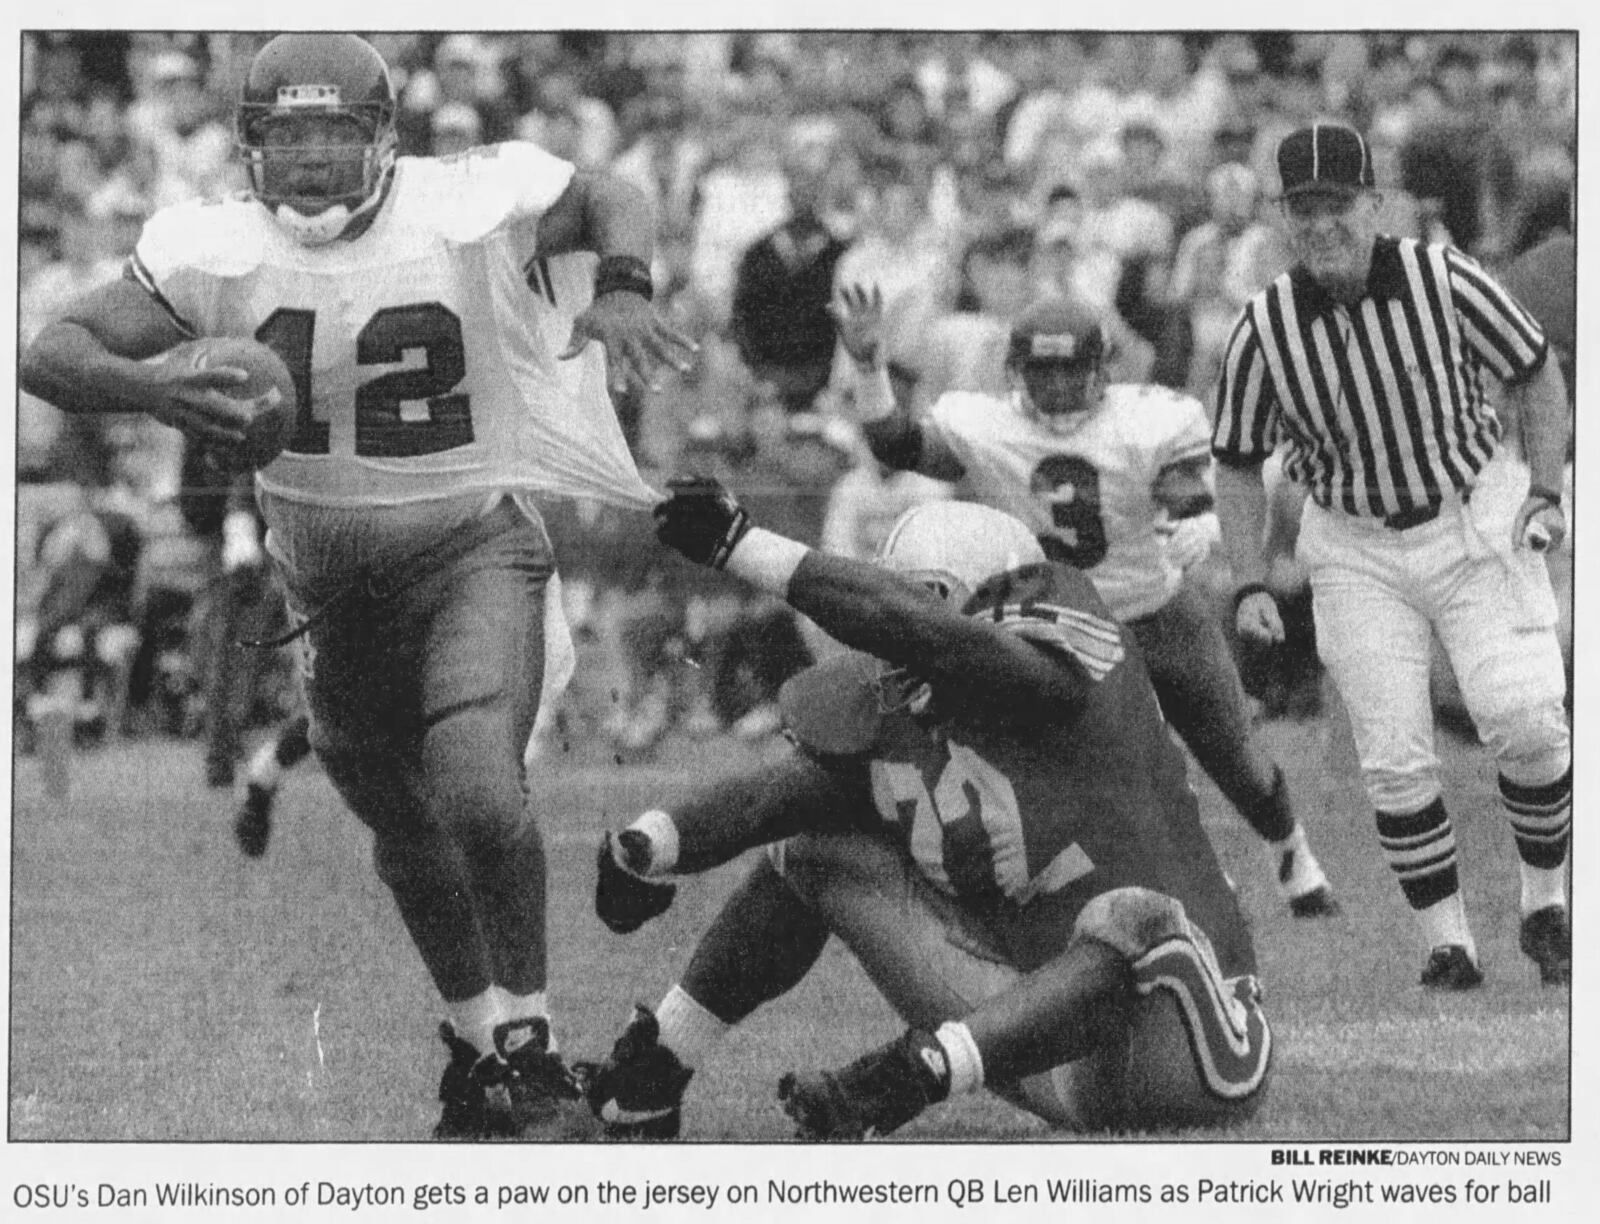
(1381, 402)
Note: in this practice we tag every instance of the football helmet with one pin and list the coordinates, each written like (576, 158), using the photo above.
(313, 185)
(1054, 361)
(953, 548)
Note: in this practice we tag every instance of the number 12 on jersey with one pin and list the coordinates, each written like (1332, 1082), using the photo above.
(382, 431)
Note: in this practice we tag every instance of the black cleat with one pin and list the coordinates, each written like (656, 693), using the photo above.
(1547, 940)
(623, 899)
(637, 1092)
(875, 1095)
(252, 823)
(545, 1101)
(1319, 902)
(464, 1091)
(1449, 967)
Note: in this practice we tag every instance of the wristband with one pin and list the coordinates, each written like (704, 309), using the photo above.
(624, 274)
(766, 560)
(1248, 589)
(1545, 493)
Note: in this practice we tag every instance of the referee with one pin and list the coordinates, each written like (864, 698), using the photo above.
(1367, 362)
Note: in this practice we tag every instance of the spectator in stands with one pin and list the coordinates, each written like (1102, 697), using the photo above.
(784, 285)
(177, 120)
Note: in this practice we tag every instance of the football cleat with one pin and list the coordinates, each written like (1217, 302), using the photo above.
(545, 1102)
(623, 899)
(1547, 940)
(637, 1092)
(875, 1095)
(252, 823)
(1451, 967)
(464, 1091)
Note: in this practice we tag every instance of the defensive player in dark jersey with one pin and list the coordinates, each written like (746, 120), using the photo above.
(985, 805)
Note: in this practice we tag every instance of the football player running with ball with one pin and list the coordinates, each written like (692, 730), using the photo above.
(1103, 475)
(444, 375)
(984, 804)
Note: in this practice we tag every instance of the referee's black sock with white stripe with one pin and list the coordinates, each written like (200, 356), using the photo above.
(1541, 822)
(1421, 850)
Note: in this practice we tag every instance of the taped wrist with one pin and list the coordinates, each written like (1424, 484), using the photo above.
(766, 560)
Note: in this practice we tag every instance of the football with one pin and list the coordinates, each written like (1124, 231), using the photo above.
(270, 391)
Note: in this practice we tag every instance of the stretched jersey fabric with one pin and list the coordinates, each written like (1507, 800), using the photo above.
(425, 350)
(1087, 494)
(1043, 816)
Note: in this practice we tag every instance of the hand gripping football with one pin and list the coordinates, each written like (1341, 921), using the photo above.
(269, 393)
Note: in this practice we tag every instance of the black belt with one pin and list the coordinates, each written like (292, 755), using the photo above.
(377, 585)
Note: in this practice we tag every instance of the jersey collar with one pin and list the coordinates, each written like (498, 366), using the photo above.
(1386, 280)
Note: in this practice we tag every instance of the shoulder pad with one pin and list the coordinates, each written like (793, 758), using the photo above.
(832, 708)
(470, 194)
(220, 236)
(1054, 607)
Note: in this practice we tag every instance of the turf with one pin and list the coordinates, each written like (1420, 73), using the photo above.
(165, 988)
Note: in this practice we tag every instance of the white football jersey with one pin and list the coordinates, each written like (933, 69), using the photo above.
(1088, 494)
(425, 349)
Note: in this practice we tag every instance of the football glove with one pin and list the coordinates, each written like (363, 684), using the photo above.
(625, 901)
(701, 520)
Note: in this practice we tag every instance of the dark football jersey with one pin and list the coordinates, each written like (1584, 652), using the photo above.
(1030, 818)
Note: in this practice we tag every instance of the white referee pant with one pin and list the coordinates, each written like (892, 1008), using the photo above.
(1379, 596)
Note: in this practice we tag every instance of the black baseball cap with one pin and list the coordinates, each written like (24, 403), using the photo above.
(1326, 157)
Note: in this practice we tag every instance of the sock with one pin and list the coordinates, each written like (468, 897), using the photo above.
(474, 1019)
(659, 853)
(962, 1054)
(264, 769)
(1271, 815)
(524, 1007)
(1445, 922)
(1541, 820)
(1421, 850)
(1543, 887)
(687, 1028)
(1297, 868)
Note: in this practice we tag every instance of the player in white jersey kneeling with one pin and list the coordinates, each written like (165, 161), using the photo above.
(437, 331)
(1100, 473)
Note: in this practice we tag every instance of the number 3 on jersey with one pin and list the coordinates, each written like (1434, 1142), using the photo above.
(1069, 486)
(382, 431)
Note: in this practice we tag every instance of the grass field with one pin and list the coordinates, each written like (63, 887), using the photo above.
(164, 988)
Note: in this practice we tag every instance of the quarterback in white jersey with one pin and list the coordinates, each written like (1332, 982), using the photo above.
(432, 315)
(1099, 473)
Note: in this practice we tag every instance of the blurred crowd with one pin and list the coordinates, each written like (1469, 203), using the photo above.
(965, 174)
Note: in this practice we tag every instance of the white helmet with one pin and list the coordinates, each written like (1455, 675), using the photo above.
(955, 547)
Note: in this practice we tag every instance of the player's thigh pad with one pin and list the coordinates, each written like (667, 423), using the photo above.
(930, 957)
(482, 667)
(1197, 1049)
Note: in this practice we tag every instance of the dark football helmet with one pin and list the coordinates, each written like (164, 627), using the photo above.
(1055, 359)
(316, 178)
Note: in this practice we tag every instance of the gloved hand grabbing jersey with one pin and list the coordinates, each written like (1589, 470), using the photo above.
(701, 520)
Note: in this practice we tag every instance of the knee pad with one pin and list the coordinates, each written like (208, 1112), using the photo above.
(1531, 745)
(481, 813)
(1394, 790)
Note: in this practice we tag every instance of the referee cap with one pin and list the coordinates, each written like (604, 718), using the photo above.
(1326, 157)
(1057, 330)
